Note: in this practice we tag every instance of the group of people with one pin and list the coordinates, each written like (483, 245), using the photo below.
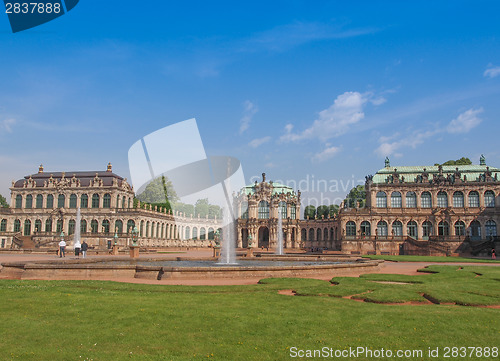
(79, 247)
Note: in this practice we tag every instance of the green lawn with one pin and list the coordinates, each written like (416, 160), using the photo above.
(432, 259)
(63, 320)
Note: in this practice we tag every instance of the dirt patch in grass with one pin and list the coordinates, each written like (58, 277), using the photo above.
(287, 292)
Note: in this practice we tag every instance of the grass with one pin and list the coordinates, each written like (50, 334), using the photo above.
(431, 259)
(94, 320)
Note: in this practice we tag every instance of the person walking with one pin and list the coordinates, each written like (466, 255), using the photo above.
(78, 246)
(493, 254)
(85, 247)
(62, 248)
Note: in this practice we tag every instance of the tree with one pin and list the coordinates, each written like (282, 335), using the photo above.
(187, 209)
(357, 194)
(214, 211)
(333, 209)
(323, 211)
(3, 202)
(310, 211)
(159, 192)
(201, 208)
(461, 161)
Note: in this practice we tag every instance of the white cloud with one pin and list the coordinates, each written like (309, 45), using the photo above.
(259, 141)
(412, 141)
(7, 124)
(492, 72)
(346, 110)
(465, 121)
(248, 112)
(326, 154)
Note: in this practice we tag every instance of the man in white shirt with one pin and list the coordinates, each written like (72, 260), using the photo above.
(62, 247)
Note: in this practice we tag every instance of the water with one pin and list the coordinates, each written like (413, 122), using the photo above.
(203, 263)
(228, 250)
(77, 236)
(279, 247)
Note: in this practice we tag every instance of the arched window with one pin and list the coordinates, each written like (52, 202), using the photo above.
(442, 199)
(412, 229)
(443, 228)
(427, 229)
(130, 225)
(50, 201)
(3, 225)
(458, 199)
(411, 200)
(325, 234)
(426, 200)
(39, 201)
(38, 226)
(105, 226)
(365, 228)
(490, 228)
(19, 201)
(203, 233)
(263, 210)
(94, 226)
(473, 199)
(29, 201)
(381, 200)
(17, 225)
(84, 201)
(83, 226)
(311, 234)
(397, 228)
(124, 202)
(61, 200)
(396, 200)
(282, 210)
(459, 228)
(382, 229)
(72, 201)
(27, 227)
(318, 234)
(195, 233)
(350, 229)
(48, 225)
(106, 202)
(211, 234)
(95, 200)
(147, 230)
(489, 199)
(71, 227)
(475, 230)
(187, 232)
(119, 226)
(244, 210)
(293, 211)
(59, 226)
(303, 234)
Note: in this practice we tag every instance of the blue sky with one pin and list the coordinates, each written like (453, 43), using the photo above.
(299, 90)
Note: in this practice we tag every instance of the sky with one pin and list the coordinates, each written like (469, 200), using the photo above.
(314, 94)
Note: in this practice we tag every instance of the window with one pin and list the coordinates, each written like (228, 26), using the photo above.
(59, 226)
(17, 225)
(210, 233)
(382, 229)
(244, 210)
(318, 234)
(195, 233)
(38, 225)
(83, 226)
(350, 229)
(19, 201)
(443, 229)
(396, 200)
(365, 228)
(124, 200)
(105, 226)
(427, 229)
(95, 201)
(39, 201)
(94, 226)
(412, 229)
(442, 199)
(29, 201)
(71, 227)
(130, 225)
(397, 228)
(458, 199)
(50, 201)
(203, 233)
(186, 232)
(60, 201)
(491, 228)
(3, 225)
(426, 200)
(27, 227)
(489, 199)
(293, 211)
(459, 228)
(106, 202)
(411, 200)
(72, 201)
(119, 227)
(48, 225)
(84, 201)
(473, 199)
(263, 210)
(381, 200)
(311, 234)
(282, 210)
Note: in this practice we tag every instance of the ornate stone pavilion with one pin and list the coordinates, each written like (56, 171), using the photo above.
(43, 205)
(437, 208)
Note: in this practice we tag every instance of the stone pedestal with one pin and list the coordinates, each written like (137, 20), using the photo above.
(114, 251)
(134, 251)
(216, 252)
(249, 252)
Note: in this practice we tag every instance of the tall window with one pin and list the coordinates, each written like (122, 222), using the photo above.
(443, 229)
(95, 200)
(29, 201)
(411, 200)
(105, 226)
(396, 200)
(48, 225)
(17, 225)
(3, 225)
(60, 200)
(94, 226)
(38, 225)
(27, 227)
(381, 200)
(491, 228)
(475, 230)
(489, 199)
(458, 199)
(350, 229)
(283, 210)
(59, 226)
(397, 228)
(426, 229)
(244, 210)
(211, 233)
(426, 200)
(19, 201)
(412, 229)
(459, 228)
(293, 211)
(83, 226)
(195, 233)
(187, 232)
(50, 201)
(71, 227)
(130, 225)
(72, 201)
(106, 202)
(473, 199)
(442, 199)
(365, 228)
(119, 226)
(263, 210)
(203, 233)
(39, 201)
(382, 229)
(124, 202)
(84, 201)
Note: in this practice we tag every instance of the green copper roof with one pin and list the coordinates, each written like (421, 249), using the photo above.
(472, 171)
(277, 188)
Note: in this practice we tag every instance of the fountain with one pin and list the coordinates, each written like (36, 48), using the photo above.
(77, 236)
(279, 247)
(228, 251)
